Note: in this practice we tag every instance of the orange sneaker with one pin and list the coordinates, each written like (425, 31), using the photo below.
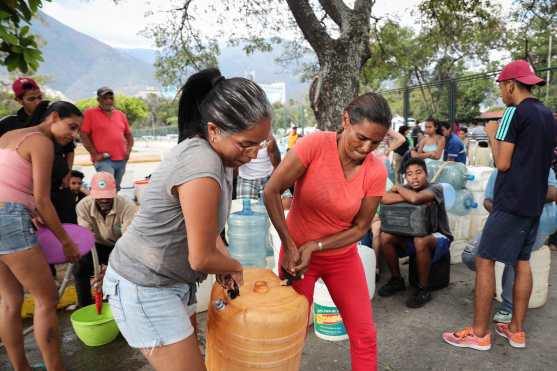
(467, 339)
(516, 339)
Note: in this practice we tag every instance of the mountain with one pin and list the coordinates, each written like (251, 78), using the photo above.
(233, 61)
(77, 64)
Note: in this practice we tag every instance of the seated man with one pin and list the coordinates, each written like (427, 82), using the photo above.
(505, 309)
(428, 249)
(107, 215)
(76, 186)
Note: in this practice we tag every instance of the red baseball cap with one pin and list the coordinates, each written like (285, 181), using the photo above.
(103, 185)
(520, 70)
(23, 84)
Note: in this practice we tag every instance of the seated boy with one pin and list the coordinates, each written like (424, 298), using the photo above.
(428, 249)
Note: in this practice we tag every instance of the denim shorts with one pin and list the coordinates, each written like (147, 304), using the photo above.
(16, 228)
(150, 317)
(507, 238)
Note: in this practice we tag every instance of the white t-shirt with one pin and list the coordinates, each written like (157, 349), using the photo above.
(260, 167)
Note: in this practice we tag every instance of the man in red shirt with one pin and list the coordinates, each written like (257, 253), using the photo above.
(106, 134)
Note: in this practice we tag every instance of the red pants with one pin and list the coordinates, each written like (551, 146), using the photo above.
(345, 279)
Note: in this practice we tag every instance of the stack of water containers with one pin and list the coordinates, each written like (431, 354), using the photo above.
(248, 235)
(459, 202)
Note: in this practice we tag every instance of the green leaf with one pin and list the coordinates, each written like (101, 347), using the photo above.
(9, 38)
(24, 30)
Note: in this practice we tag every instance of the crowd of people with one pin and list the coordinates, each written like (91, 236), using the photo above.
(158, 254)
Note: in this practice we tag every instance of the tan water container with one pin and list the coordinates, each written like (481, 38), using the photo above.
(540, 263)
(262, 329)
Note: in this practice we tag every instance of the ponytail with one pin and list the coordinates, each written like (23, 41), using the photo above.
(233, 105)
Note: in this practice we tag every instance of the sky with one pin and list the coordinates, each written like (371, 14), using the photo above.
(121, 25)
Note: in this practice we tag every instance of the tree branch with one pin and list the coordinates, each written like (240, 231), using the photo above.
(337, 10)
(313, 31)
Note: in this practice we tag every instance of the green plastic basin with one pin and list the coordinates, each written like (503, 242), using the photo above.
(92, 328)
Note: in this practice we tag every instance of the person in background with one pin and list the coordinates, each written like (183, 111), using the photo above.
(432, 144)
(28, 94)
(416, 135)
(26, 157)
(293, 137)
(400, 151)
(173, 241)
(454, 147)
(107, 136)
(107, 215)
(428, 249)
(253, 175)
(339, 183)
(522, 146)
(505, 309)
(76, 186)
(463, 135)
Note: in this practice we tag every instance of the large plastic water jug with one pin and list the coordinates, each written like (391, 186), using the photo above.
(540, 263)
(548, 224)
(247, 235)
(259, 207)
(264, 328)
(481, 176)
(464, 202)
(454, 173)
(432, 167)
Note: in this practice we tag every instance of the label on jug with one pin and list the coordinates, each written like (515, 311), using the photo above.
(327, 320)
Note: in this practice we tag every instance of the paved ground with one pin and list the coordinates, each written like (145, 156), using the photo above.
(408, 339)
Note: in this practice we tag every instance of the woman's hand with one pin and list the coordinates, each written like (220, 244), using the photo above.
(227, 279)
(413, 153)
(305, 256)
(291, 257)
(71, 252)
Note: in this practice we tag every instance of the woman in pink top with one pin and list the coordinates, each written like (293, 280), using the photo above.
(26, 157)
(339, 184)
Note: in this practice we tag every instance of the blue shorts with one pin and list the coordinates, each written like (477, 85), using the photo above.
(507, 238)
(16, 228)
(149, 317)
(442, 245)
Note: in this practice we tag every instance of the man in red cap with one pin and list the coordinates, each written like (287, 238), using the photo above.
(107, 215)
(28, 94)
(522, 147)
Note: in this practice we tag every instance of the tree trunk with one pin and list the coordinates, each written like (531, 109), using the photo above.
(335, 87)
(340, 59)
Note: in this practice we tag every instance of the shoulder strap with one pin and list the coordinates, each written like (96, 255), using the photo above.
(25, 137)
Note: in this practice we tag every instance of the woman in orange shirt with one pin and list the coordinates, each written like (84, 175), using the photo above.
(339, 184)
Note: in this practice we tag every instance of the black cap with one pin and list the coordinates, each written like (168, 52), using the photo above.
(104, 91)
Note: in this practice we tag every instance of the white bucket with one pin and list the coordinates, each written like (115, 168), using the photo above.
(540, 263)
(368, 261)
(327, 322)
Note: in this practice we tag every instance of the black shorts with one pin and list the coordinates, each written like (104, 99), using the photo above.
(508, 238)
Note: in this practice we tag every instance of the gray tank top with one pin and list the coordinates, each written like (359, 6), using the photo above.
(154, 250)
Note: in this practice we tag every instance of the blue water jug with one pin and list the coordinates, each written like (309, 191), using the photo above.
(454, 173)
(247, 233)
(259, 207)
(548, 224)
(464, 203)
